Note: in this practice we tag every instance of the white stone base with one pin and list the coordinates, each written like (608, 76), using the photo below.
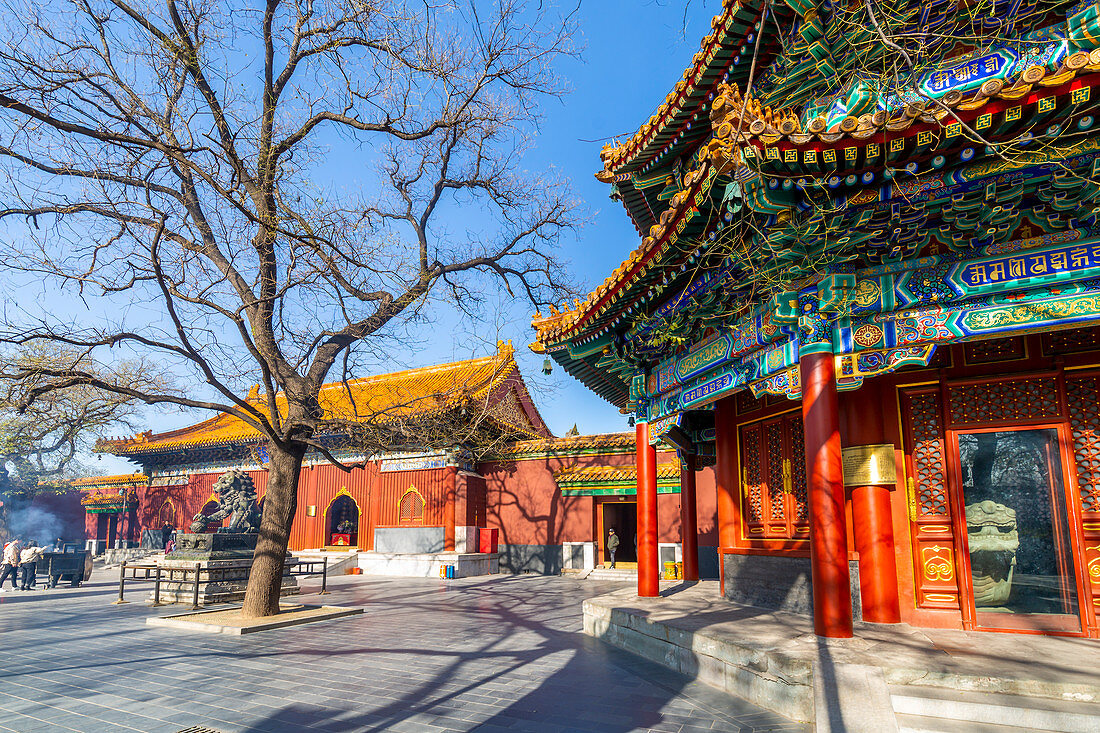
(427, 565)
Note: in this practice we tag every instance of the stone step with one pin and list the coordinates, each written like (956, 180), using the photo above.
(924, 724)
(945, 707)
(338, 562)
(613, 574)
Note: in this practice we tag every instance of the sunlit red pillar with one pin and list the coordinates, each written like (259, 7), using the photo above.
(689, 525)
(872, 523)
(878, 574)
(648, 575)
(449, 509)
(825, 485)
(726, 472)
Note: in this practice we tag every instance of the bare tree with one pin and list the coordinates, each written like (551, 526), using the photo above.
(41, 443)
(173, 161)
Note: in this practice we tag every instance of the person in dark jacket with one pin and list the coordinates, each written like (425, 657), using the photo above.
(28, 563)
(612, 545)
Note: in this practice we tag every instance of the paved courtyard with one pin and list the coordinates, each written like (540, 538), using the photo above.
(483, 654)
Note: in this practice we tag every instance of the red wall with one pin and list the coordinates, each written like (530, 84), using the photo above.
(318, 487)
(524, 502)
(518, 497)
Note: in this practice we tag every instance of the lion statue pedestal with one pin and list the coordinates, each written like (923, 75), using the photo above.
(224, 557)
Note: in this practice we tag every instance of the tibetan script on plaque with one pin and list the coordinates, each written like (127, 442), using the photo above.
(869, 465)
(1074, 261)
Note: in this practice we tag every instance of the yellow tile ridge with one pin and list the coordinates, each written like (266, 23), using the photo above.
(420, 391)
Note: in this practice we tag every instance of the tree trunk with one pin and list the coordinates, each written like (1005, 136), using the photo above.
(280, 501)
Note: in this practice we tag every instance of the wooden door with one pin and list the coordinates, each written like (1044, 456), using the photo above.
(774, 479)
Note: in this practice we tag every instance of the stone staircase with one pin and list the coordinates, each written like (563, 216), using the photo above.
(602, 573)
(920, 709)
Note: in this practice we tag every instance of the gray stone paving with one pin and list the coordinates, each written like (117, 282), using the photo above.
(492, 655)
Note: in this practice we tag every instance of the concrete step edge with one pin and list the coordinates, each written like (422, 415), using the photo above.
(922, 724)
(995, 714)
(924, 679)
(1001, 699)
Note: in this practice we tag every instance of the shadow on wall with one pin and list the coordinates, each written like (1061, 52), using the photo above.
(534, 519)
(778, 583)
(534, 497)
(540, 559)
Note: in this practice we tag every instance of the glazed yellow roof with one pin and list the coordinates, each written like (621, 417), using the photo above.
(617, 442)
(125, 481)
(383, 398)
(559, 323)
(588, 475)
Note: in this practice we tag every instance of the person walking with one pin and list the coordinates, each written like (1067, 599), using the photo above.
(612, 545)
(28, 562)
(10, 564)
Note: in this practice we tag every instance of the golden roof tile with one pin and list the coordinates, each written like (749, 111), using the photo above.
(588, 475)
(383, 398)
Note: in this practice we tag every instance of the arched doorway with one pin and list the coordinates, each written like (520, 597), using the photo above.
(167, 514)
(342, 522)
(207, 509)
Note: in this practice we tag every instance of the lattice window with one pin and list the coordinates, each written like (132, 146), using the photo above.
(984, 352)
(773, 435)
(745, 402)
(754, 491)
(798, 470)
(1084, 418)
(411, 507)
(1024, 399)
(927, 427)
(1070, 342)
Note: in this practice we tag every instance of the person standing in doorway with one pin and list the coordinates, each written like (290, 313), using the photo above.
(612, 545)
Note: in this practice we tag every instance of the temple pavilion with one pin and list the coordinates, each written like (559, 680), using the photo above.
(867, 291)
(491, 481)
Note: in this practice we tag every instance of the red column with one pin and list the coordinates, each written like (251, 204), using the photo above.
(648, 574)
(872, 523)
(689, 525)
(878, 573)
(726, 480)
(450, 482)
(825, 485)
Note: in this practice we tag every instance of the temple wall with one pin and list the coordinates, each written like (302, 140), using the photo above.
(534, 519)
(518, 497)
(318, 487)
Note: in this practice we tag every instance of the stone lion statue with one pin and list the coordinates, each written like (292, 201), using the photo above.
(994, 539)
(237, 500)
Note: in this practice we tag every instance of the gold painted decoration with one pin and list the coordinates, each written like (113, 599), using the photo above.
(937, 564)
(869, 465)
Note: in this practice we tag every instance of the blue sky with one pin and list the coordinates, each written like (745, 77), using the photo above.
(634, 51)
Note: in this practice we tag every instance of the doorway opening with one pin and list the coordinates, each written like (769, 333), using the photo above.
(342, 522)
(1019, 547)
(621, 516)
(106, 530)
(212, 525)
